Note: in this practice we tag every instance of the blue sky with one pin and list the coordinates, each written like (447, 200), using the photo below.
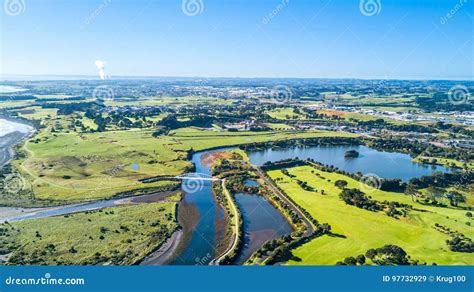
(304, 38)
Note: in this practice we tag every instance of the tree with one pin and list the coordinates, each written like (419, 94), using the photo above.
(351, 154)
(391, 255)
(435, 193)
(360, 259)
(455, 198)
(340, 183)
(350, 261)
(324, 228)
(411, 191)
(371, 253)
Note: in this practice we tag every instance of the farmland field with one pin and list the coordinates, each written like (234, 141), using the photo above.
(363, 229)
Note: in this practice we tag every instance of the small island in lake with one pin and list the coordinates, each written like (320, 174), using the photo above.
(351, 154)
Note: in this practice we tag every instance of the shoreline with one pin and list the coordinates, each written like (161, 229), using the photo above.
(10, 140)
(13, 213)
(165, 252)
(169, 251)
(8, 146)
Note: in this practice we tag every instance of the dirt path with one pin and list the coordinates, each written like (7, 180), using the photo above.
(235, 235)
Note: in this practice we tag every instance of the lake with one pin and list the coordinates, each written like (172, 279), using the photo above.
(370, 161)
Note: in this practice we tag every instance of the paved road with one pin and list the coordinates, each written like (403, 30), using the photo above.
(306, 221)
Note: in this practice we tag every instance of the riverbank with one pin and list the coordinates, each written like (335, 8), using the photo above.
(236, 226)
(7, 142)
(119, 235)
(198, 213)
(165, 253)
(13, 134)
(19, 214)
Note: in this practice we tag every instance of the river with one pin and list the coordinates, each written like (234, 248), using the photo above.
(18, 214)
(200, 247)
(262, 221)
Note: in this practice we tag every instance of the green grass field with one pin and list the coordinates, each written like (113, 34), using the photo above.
(285, 114)
(444, 162)
(279, 126)
(200, 139)
(116, 235)
(37, 113)
(69, 165)
(347, 115)
(365, 229)
(167, 100)
(72, 166)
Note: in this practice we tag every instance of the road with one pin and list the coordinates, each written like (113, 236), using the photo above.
(294, 207)
(236, 226)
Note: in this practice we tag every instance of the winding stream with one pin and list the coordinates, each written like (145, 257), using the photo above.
(19, 214)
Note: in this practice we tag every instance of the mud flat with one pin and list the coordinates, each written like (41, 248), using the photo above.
(12, 132)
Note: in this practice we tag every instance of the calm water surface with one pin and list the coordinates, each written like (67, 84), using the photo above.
(262, 222)
(370, 161)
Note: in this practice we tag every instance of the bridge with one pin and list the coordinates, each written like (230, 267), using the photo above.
(191, 177)
(201, 178)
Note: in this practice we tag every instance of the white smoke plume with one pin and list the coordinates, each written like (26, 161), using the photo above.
(101, 66)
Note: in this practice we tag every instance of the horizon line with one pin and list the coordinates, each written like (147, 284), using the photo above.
(4, 77)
